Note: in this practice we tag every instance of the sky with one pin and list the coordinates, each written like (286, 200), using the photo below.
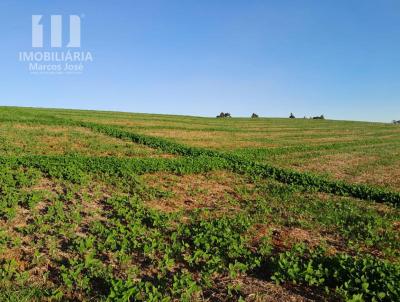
(338, 58)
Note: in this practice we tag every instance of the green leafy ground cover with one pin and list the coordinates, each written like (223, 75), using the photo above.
(170, 222)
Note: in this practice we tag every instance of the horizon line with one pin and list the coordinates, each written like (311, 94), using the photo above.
(189, 115)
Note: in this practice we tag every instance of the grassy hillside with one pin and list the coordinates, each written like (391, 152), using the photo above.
(357, 152)
(137, 207)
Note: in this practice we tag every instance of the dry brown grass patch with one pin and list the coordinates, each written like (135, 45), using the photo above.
(213, 190)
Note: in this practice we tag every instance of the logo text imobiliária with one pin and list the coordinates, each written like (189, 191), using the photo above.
(58, 59)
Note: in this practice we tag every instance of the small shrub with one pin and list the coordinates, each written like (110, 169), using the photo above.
(292, 115)
(254, 115)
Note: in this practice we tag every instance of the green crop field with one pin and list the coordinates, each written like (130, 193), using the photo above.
(107, 206)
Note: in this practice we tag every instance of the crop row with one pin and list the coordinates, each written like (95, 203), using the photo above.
(72, 167)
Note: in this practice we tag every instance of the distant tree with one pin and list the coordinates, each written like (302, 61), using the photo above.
(222, 115)
(254, 115)
(396, 122)
(292, 115)
(321, 117)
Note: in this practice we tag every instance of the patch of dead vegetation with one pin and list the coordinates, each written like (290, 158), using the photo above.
(336, 165)
(379, 175)
(284, 238)
(60, 140)
(213, 190)
(209, 139)
(352, 167)
(258, 290)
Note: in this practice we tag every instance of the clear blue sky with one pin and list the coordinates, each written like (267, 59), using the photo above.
(200, 57)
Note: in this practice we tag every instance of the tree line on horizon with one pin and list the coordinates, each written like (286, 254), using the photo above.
(291, 116)
(255, 115)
